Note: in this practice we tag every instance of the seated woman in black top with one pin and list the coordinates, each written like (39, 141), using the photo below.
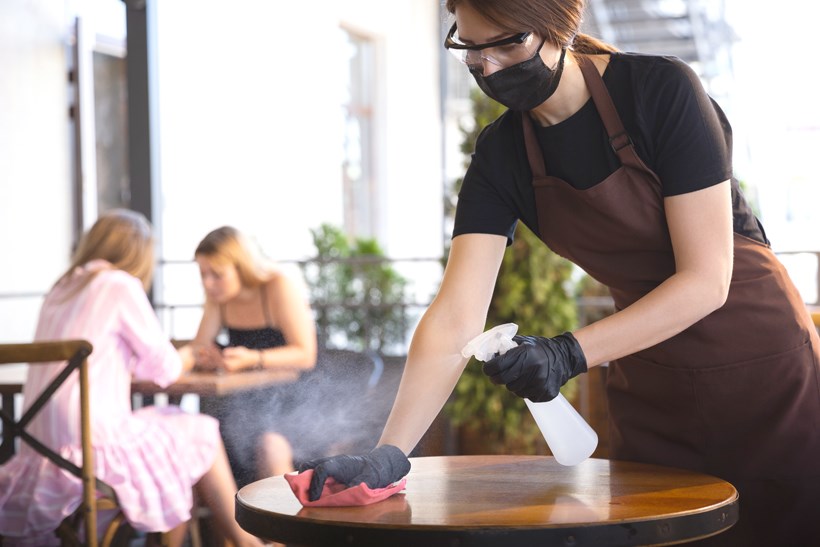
(269, 324)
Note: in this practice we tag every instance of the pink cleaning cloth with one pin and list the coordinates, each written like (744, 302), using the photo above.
(335, 494)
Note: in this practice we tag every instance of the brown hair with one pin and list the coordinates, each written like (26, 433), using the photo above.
(558, 21)
(226, 245)
(122, 237)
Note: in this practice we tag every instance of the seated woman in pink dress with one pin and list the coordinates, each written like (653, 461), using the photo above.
(152, 457)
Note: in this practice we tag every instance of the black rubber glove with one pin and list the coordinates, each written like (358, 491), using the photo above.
(381, 467)
(538, 367)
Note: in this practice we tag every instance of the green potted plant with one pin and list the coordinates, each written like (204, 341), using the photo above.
(358, 297)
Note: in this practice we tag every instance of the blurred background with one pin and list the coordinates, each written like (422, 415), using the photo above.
(346, 117)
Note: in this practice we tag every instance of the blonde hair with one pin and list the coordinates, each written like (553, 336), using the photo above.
(227, 245)
(122, 237)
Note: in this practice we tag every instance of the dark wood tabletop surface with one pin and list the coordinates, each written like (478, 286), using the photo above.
(506, 501)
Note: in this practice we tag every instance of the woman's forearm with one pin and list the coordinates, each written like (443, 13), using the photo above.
(672, 307)
(186, 354)
(456, 315)
(434, 365)
(700, 227)
(290, 356)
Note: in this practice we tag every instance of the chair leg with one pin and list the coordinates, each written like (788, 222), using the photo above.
(118, 533)
(67, 531)
(194, 532)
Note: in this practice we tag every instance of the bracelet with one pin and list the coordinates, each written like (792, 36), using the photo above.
(260, 364)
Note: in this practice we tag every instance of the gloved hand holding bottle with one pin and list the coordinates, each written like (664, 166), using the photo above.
(537, 367)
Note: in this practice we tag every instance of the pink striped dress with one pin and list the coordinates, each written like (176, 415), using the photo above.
(151, 457)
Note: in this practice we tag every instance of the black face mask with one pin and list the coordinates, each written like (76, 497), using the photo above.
(522, 86)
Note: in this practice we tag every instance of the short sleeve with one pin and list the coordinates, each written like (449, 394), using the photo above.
(481, 207)
(155, 358)
(690, 135)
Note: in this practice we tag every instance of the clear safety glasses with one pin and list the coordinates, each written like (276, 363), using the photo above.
(501, 53)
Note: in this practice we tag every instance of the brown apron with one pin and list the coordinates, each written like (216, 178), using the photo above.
(736, 395)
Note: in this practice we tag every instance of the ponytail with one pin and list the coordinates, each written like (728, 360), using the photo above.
(589, 45)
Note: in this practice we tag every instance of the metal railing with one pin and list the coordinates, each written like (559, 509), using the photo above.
(804, 267)
(364, 305)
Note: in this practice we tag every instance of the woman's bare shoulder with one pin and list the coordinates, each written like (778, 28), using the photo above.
(286, 280)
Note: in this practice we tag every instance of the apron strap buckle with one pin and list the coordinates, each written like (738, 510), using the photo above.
(620, 141)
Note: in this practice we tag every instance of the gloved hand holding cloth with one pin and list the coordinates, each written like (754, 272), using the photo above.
(372, 475)
(537, 367)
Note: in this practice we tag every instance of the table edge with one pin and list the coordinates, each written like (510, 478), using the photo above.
(684, 527)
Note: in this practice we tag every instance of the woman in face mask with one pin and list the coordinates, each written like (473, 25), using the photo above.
(622, 163)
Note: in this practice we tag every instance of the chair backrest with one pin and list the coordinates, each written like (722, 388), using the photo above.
(75, 353)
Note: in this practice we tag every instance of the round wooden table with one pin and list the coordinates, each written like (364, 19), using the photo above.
(505, 500)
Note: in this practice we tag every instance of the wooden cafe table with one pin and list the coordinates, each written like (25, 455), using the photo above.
(217, 384)
(200, 383)
(505, 501)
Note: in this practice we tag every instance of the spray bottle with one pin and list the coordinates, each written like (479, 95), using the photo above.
(568, 436)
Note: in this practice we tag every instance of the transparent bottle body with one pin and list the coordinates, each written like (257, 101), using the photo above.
(569, 437)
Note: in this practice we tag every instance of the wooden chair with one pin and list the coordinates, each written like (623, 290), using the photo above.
(97, 495)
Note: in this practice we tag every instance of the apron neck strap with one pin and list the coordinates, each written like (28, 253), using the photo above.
(534, 154)
(618, 138)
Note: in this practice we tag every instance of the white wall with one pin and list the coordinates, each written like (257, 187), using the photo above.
(250, 110)
(35, 192)
(244, 119)
(778, 118)
(249, 132)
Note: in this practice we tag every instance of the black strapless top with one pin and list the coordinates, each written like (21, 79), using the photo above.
(261, 338)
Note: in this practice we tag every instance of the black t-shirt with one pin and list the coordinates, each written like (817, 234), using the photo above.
(678, 130)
